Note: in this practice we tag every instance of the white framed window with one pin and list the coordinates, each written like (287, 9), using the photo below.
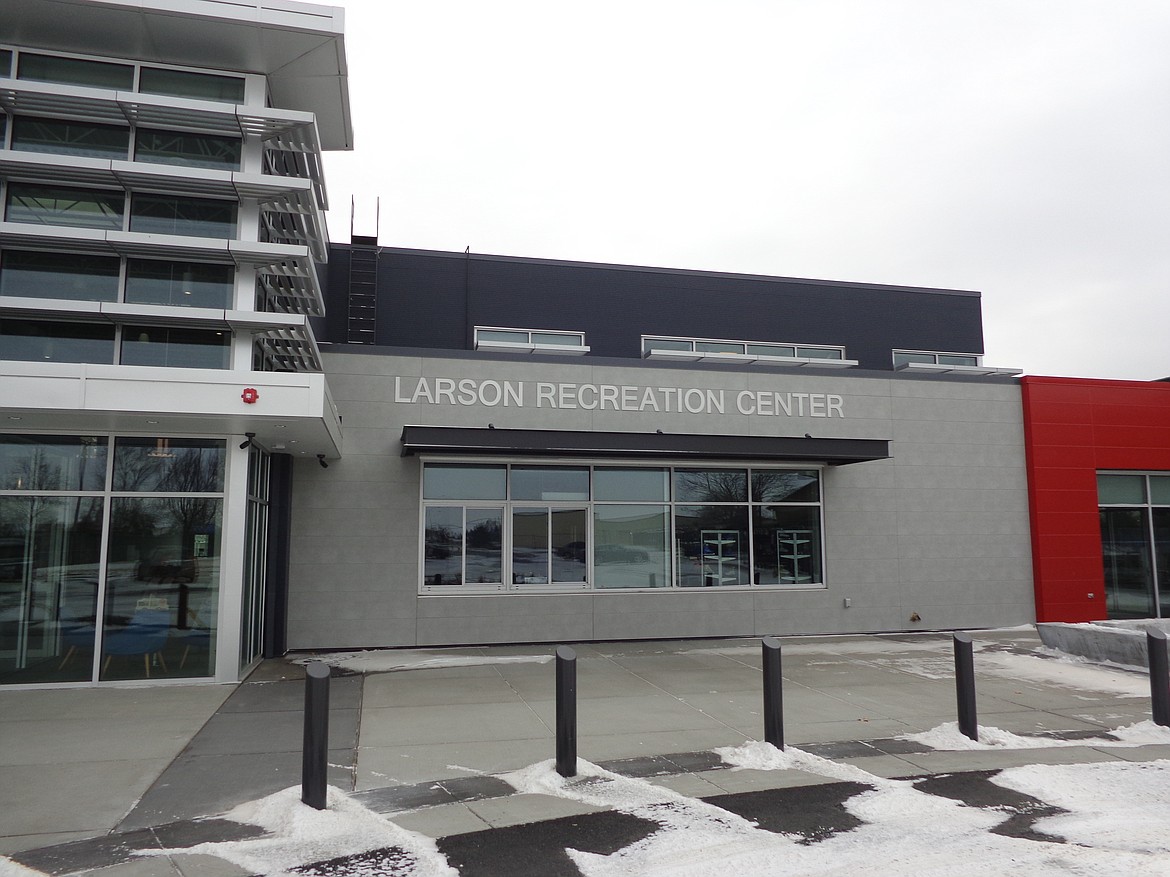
(509, 340)
(520, 526)
(930, 357)
(774, 353)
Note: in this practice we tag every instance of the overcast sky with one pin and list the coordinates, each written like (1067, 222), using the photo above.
(1016, 147)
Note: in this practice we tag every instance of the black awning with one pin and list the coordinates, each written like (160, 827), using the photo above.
(565, 443)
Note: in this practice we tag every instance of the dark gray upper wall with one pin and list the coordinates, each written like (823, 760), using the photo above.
(433, 300)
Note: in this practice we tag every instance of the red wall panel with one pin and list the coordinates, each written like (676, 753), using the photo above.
(1074, 427)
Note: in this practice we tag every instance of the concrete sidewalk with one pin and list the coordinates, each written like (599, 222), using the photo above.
(425, 741)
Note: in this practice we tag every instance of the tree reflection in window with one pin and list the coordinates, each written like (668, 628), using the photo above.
(161, 465)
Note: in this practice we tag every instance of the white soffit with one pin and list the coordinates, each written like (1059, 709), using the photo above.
(299, 46)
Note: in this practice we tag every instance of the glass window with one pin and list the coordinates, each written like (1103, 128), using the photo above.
(771, 350)
(957, 359)
(501, 335)
(630, 546)
(169, 465)
(710, 485)
(818, 353)
(184, 83)
(666, 344)
(459, 481)
(5, 63)
(1125, 543)
(568, 545)
(786, 485)
(70, 138)
(711, 546)
(787, 543)
(618, 484)
(717, 347)
(47, 462)
(530, 549)
(453, 536)
(174, 347)
(902, 357)
(162, 587)
(186, 149)
(62, 205)
(1115, 489)
(70, 276)
(180, 284)
(1160, 490)
(48, 341)
(562, 338)
(550, 482)
(196, 217)
(75, 71)
(50, 550)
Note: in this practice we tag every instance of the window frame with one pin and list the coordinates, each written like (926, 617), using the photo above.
(529, 343)
(691, 352)
(508, 503)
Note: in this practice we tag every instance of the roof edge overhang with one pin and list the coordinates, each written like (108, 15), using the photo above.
(566, 443)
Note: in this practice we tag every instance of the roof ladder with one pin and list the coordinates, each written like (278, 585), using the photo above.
(363, 290)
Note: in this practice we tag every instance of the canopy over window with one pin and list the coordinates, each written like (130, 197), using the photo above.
(566, 443)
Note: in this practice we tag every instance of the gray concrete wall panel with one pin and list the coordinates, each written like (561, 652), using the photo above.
(941, 529)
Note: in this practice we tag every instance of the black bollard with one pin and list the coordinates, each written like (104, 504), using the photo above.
(773, 694)
(1159, 676)
(965, 685)
(314, 755)
(566, 711)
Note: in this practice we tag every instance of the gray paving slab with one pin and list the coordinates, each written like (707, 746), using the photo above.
(384, 766)
(345, 692)
(211, 784)
(443, 820)
(263, 732)
(944, 761)
(521, 809)
(451, 723)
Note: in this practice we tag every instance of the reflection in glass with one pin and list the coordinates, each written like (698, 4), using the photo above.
(710, 485)
(445, 535)
(50, 548)
(1161, 519)
(49, 341)
(187, 149)
(75, 71)
(785, 485)
(457, 481)
(52, 462)
(787, 545)
(485, 546)
(185, 83)
(443, 546)
(69, 276)
(173, 465)
(1125, 544)
(70, 138)
(630, 546)
(568, 545)
(172, 347)
(195, 217)
(62, 205)
(530, 552)
(162, 587)
(1160, 489)
(180, 284)
(550, 482)
(629, 484)
(1121, 489)
(711, 545)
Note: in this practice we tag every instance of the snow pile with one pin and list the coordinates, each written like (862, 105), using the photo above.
(9, 868)
(906, 831)
(948, 736)
(393, 660)
(300, 835)
(1116, 805)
